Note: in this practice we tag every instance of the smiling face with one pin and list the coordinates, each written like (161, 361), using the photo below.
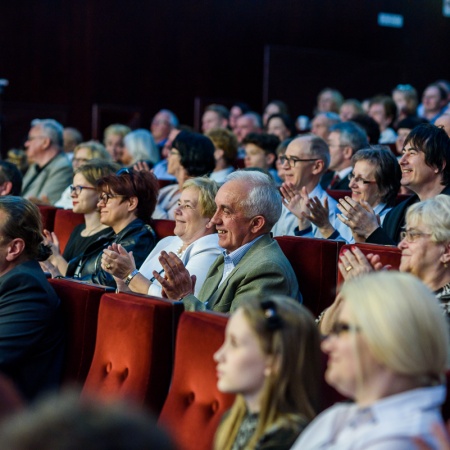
(117, 213)
(86, 201)
(233, 227)
(114, 146)
(365, 170)
(190, 225)
(241, 364)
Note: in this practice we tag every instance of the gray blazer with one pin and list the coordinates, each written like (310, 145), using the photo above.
(264, 270)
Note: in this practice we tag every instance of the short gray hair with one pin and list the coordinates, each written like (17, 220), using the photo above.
(51, 129)
(352, 135)
(173, 119)
(263, 197)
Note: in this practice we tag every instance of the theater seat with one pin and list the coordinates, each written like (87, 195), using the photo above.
(80, 303)
(314, 262)
(337, 194)
(194, 406)
(48, 213)
(134, 349)
(389, 255)
(163, 228)
(65, 221)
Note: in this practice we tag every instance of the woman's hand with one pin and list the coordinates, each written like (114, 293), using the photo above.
(51, 239)
(360, 217)
(117, 261)
(47, 266)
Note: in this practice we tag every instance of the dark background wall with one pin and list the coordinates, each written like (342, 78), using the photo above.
(61, 57)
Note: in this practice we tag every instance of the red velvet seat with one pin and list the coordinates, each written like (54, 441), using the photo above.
(314, 262)
(164, 183)
(194, 406)
(163, 228)
(134, 349)
(65, 221)
(337, 194)
(48, 213)
(80, 303)
(388, 254)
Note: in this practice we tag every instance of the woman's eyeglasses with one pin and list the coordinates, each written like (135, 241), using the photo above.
(78, 188)
(412, 235)
(341, 327)
(105, 197)
(359, 180)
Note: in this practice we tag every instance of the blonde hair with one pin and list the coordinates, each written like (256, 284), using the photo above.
(290, 393)
(402, 323)
(95, 150)
(434, 213)
(207, 193)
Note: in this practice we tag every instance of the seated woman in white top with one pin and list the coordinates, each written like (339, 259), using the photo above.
(374, 182)
(387, 351)
(195, 243)
(270, 358)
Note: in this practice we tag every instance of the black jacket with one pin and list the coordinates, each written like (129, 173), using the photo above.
(136, 236)
(394, 222)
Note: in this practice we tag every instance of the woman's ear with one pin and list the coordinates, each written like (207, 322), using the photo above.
(273, 364)
(132, 203)
(445, 257)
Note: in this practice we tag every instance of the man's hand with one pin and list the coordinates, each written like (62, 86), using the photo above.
(296, 202)
(360, 217)
(177, 282)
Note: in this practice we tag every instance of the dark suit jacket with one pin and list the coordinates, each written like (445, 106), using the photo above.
(394, 222)
(263, 270)
(31, 330)
(341, 185)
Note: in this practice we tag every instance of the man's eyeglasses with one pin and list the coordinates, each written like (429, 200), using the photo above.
(341, 327)
(359, 180)
(105, 197)
(412, 235)
(292, 161)
(77, 189)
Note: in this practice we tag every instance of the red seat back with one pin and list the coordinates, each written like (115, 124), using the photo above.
(388, 254)
(337, 194)
(80, 303)
(314, 262)
(65, 221)
(48, 213)
(194, 406)
(163, 228)
(133, 350)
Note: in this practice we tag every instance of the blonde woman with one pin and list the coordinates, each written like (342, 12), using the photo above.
(270, 358)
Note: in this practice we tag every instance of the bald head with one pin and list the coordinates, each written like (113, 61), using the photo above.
(444, 122)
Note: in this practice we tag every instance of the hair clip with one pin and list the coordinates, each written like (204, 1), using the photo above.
(273, 319)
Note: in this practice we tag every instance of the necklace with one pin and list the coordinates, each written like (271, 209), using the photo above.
(91, 232)
(181, 250)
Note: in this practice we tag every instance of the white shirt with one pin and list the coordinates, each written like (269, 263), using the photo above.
(388, 424)
(197, 258)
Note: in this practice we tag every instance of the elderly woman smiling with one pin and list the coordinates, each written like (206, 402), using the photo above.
(195, 243)
(388, 352)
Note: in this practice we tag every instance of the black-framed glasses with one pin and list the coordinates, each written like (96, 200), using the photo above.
(292, 161)
(273, 319)
(78, 188)
(412, 235)
(342, 327)
(351, 176)
(104, 197)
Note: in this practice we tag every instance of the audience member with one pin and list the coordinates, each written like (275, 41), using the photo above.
(307, 158)
(10, 179)
(192, 155)
(404, 127)
(271, 359)
(434, 100)
(329, 100)
(50, 171)
(113, 140)
(274, 107)
(260, 152)
(71, 138)
(84, 196)
(382, 109)
(425, 170)
(406, 101)
(160, 169)
(68, 421)
(195, 243)
(349, 109)
(215, 116)
(344, 140)
(139, 145)
(281, 126)
(322, 122)
(387, 351)
(369, 126)
(444, 122)
(236, 111)
(281, 150)
(248, 205)
(250, 122)
(162, 124)
(31, 326)
(226, 148)
(82, 153)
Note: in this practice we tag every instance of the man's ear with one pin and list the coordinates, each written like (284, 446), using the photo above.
(258, 224)
(14, 249)
(5, 188)
(318, 167)
(348, 152)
